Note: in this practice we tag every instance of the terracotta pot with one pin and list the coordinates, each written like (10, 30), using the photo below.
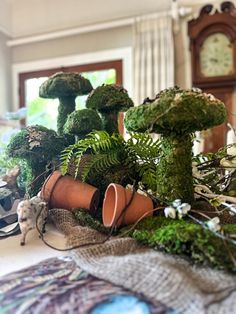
(66, 192)
(115, 200)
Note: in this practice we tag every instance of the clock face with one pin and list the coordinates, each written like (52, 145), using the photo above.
(216, 56)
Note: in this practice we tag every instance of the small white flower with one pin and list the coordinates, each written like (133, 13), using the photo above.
(196, 90)
(170, 212)
(177, 202)
(141, 192)
(183, 209)
(214, 224)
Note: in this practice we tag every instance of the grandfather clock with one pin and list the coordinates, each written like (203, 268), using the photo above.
(213, 58)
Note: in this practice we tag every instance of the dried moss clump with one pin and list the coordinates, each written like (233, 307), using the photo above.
(188, 239)
(85, 219)
(109, 100)
(39, 147)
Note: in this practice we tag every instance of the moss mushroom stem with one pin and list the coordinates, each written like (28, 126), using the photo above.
(176, 114)
(66, 106)
(174, 172)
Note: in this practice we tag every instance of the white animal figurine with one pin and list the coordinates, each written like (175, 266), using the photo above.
(28, 211)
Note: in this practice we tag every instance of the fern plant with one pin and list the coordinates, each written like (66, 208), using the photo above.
(113, 159)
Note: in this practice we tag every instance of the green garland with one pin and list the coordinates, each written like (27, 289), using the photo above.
(188, 239)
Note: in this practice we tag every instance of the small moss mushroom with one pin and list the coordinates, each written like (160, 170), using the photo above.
(176, 114)
(38, 146)
(81, 122)
(109, 100)
(65, 86)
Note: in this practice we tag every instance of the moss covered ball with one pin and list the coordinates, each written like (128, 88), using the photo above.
(82, 122)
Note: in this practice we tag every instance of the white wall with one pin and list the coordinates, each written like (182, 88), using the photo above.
(40, 16)
(5, 76)
(5, 17)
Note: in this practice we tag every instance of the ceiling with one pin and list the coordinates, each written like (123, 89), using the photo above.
(30, 17)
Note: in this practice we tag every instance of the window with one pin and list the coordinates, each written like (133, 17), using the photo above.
(44, 111)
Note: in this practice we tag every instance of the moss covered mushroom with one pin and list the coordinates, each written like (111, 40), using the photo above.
(81, 122)
(65, 86)
(39, 146)
(109, 100)
(176, 114)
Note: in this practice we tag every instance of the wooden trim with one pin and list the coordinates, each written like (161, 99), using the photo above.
(117, 65)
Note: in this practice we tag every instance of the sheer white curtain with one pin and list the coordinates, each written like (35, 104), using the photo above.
(153, 52)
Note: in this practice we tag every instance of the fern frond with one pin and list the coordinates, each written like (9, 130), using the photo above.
(101, 163)
(144, 147)
(147, 174)
(66, 158)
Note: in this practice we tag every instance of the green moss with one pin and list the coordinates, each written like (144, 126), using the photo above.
(39, 146)
(109, 100)
(176, 114)
(65, 86)
(82, 122)
(85, 219)
(176, 111)
(188, 239)
(174, 172)
(66, 106)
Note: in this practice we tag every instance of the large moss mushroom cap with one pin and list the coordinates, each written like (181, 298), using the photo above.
(82, 121)
(176, 111)
(64, 84)
(108, 98)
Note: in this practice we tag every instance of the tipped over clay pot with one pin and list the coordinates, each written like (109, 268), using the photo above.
(116, 199)
(66, 192)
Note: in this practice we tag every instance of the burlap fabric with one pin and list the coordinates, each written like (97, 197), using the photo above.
(162, 277)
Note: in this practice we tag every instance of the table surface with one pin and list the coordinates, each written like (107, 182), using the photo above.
(14, 257)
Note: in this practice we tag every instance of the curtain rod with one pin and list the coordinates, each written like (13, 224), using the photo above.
(182, 11)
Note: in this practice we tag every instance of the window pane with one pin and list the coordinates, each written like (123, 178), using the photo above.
(39, 110)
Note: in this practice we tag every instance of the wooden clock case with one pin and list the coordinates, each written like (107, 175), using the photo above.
(222, 87)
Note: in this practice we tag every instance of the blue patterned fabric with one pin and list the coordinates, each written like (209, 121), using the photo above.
(57, 285)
